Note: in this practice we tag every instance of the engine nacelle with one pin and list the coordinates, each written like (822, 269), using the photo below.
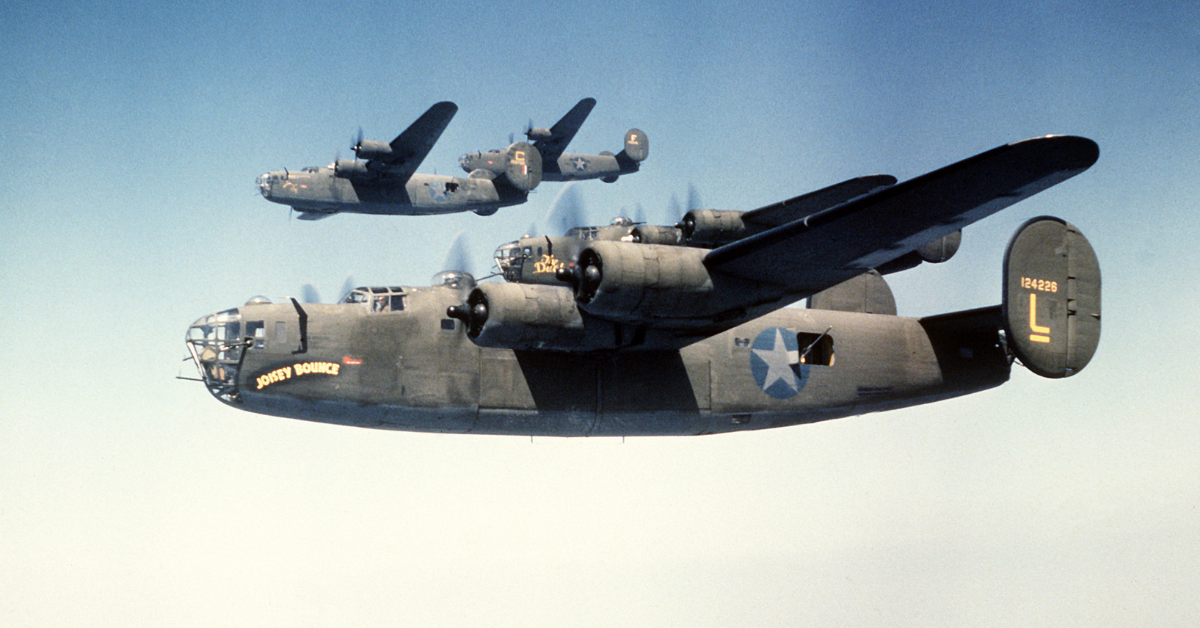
(941, 249)
(935, 252)
(643, 283)
(711, 228)
(371, 149)
(352, 169)
(538, 133)
(657, 234)
(522, 317)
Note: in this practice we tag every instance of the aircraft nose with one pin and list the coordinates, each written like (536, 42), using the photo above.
(264, 184)
(216, 343)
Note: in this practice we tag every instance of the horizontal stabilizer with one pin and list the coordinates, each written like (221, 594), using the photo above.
(1051, 297)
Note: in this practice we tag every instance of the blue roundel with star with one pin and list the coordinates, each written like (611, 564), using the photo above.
(775, 363)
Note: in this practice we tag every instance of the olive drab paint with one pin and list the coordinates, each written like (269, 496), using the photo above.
(631, 329)
(1051, 297)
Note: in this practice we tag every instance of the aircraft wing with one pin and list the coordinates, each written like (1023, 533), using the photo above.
(783, 212)
(818, 251)
(564, 130)
(410, 147)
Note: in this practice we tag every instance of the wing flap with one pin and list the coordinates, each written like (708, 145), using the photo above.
(810, 254)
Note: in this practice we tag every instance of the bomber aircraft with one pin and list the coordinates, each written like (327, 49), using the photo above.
(560, 166)
(382, 178)
(681, 329)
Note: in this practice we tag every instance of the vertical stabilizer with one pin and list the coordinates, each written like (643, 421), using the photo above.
(1051, 297)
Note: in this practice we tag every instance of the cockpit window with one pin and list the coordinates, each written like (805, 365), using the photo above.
(378, 299)
(357, 295)
(583, 233)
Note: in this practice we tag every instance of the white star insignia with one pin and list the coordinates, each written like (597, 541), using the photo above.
(779, 363)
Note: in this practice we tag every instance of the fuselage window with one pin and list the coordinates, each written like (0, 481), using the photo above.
(448, 324)
(258, 331)
(280, 333)
(815, 349)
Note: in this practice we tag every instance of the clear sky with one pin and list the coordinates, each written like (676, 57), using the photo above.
(132, 134)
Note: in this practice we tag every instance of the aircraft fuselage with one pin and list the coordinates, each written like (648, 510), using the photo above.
(397, 361)
(319, 190)
(567, 167)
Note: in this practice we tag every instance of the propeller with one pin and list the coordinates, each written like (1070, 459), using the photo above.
(639, 214)
(566, 211)
(457, 257)
(693, 198)
(348, 285)
(674, 209)
(308, 294)
(357, 145)
(675, 212)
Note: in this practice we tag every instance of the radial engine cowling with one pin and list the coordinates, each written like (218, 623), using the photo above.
(353, 169)
(644, 283)
(711, 228)
(371, 149)
(657, 234)
(522, 317)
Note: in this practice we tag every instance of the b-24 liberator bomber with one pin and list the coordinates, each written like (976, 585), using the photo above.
(688, 333)
(382, 178)
(561, 166)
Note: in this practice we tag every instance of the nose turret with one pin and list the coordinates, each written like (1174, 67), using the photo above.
(217, 343)
(264, 184)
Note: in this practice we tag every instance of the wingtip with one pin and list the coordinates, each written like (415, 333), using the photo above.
(1073, 151)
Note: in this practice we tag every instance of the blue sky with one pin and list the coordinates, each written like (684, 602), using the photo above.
(133, 133)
